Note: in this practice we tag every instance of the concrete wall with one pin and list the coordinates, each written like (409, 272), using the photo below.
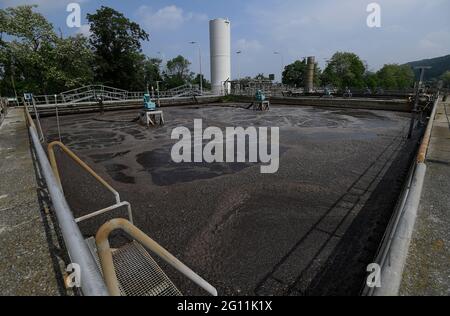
(368, 104)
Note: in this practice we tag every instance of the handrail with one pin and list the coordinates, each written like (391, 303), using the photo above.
(106, 259)
(36, 114)
(81, 163)
(426, 139)
(393, 250)
(105, 210)
(92, 283)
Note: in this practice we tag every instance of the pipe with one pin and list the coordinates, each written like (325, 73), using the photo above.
(106, 259)
(106, 210)
(427, 137)
(92, 283)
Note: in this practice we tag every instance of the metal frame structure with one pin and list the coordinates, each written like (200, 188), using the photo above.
(77, 160)
(106, 257)
(152, 118)
(91, 94)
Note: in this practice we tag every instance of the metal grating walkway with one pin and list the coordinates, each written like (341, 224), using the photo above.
(137, 272)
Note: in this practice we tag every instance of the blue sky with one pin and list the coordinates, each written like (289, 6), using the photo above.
(410, 30)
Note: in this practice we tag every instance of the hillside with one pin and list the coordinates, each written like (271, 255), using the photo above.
(439, 64)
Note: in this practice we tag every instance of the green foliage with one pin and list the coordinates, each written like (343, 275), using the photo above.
(35, 59)
(395, 76)
(294, 74)
(72, 64)
(177, 72)
(151, 69)
(439, 66)
(371, 80)
(206, 83)
(446, 79)
(344, 70)
(116, 43)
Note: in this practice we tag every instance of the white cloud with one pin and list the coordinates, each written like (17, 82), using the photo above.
(167, 18)
(85, 30)
(248, 45)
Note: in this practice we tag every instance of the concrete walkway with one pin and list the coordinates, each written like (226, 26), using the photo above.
(427, 270)
(26, 266)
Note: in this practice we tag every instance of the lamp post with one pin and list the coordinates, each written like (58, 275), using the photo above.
(239, 64)
(200, 65)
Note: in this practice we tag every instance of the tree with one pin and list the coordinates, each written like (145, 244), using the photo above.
(393, 76)
(151, 71)
(371, 80)
(35, 59)
(344, 70)
(206, 83)
(23, 57)
(116, 42)
(71, 65)
(294, 74)
(446, 79)
(177, 73)
(179, 66)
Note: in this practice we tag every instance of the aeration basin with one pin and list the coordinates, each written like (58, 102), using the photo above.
(310, 228)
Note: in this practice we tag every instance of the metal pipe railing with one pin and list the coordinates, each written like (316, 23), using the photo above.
(106, 259)
(394, 248)
(52, 157)
(106, 210)
(92, 283)
(426, 138)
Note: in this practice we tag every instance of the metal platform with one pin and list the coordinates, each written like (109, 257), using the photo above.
(152, 118)
(137, 272)
(261, 106)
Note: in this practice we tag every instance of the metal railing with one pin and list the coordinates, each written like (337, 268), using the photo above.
(394, 247)
(91, 94)
(106, 258)
(82, 164)
(92, 283)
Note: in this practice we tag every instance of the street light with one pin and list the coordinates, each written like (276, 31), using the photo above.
(238, 64)
(200, 61)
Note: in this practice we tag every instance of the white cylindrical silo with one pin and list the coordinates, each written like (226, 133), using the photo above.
(220, 43)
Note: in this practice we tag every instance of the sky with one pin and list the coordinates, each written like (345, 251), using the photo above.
(410, 29)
